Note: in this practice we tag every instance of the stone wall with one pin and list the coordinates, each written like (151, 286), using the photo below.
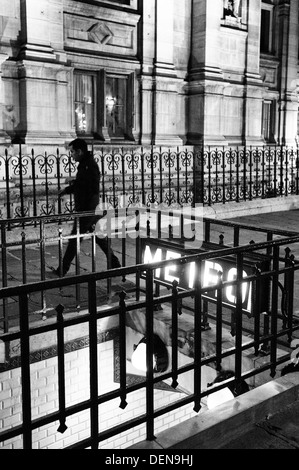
(44, 393)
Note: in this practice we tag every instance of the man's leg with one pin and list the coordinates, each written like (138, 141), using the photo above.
(71, 248)
(69, 255)
(104, 245)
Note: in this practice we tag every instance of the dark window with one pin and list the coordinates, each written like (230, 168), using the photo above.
(266, 33)
(116, 105)
(104, 105)
(84, 103)
(234, 13)
(268, 121)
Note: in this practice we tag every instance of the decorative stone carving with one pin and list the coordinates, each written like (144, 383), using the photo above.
(100, 33)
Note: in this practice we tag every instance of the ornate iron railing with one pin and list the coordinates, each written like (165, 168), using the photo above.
(241, 174)
(29, 182)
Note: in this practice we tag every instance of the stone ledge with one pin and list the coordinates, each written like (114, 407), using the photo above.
(256, 206)
(212, 429)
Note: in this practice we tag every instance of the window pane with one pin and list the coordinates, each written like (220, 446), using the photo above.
(265, 31)
(116, 105)
(266, 126)
(84, 103)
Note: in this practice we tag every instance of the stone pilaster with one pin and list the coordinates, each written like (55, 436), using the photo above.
(35, 31)
(159, 83)
(288, 53)
(4, 137)
(253, 85)
(206, 76)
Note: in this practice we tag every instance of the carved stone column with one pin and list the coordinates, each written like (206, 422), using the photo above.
(164, 36)
(159, 84)
(288, 53)
(253, 85)
(35, 31)
(206, 77)
(4, 137)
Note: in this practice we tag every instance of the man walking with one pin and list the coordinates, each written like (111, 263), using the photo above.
(85, 188)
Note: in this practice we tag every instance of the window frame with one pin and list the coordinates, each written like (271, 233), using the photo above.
(237, 22)
(95, 99)
(269, 7)
(130, 4)
(268, 120)
(100, 129)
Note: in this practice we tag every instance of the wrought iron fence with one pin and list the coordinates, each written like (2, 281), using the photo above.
(146, 176)
(158, 299)
(240, 174)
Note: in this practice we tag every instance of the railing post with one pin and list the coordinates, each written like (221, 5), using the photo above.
(209, 178)
(244, 176)
(198, 176)
(149, 354)
(174, 335)
(61, 369)
(58, 179)
(275, 173)
(43, 267)
(237, 175)
(219, 321)
(122, 350)
(286, 180)
(93, 360)
(297, 170)
(24, 264)
(25, 372)
(7, 181)
(289, 291)
(123, 170)
(142, 178)
(178, 173)
(34, 183)
(238, 340)
(256, 285)
(250, 174)
(223, 176)
(197, 337)
(263, 173)
(274, 309)
(78, 242)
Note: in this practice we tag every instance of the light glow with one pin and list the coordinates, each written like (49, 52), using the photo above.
(139, 358)
(217, 398)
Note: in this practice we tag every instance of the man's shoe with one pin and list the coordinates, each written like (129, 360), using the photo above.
(115, 263)
(54, 273)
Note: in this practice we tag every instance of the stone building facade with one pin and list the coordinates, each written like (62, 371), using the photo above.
(149, 72)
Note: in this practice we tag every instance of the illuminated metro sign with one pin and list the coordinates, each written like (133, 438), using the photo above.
(159, 250)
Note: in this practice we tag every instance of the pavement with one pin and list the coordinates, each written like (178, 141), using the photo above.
(279, 431)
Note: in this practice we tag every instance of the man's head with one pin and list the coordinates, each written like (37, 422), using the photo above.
(78, 149)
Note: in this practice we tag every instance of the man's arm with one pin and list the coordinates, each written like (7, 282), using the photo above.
(68, 189)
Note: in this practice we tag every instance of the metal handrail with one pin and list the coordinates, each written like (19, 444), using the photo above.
(146, 300)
